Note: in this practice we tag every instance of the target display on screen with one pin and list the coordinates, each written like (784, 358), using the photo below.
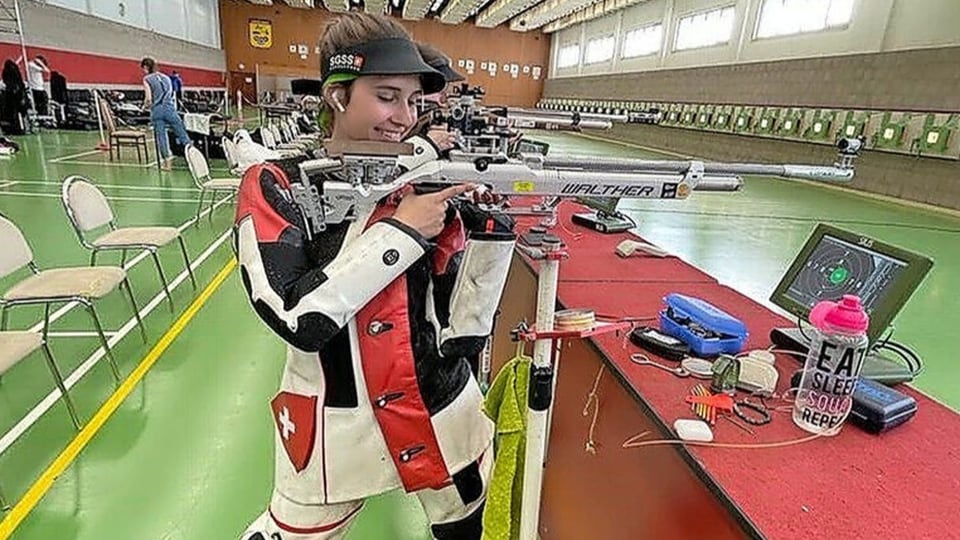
(835, 268)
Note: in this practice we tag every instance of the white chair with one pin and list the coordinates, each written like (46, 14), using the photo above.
(285, 142)
(267, 137)
(15, 346)
(88, 211)
(290, 134)
(270, 141)
(201, 177)
(230, 152)
(83, 285)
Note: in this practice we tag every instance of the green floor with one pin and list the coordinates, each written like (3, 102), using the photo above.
(188, 455)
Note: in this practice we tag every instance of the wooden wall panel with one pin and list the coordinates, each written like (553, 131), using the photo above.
(298, 26)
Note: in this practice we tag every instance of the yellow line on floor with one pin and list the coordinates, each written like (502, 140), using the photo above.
(70, 453)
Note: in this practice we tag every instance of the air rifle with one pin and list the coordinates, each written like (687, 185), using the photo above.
(355, 176)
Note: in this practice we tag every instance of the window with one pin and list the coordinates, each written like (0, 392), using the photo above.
(599, 50)
(642, 41)
(785, 17)
(705, 29)
(568, 56)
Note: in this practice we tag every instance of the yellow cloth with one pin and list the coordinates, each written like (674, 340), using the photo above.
(506, 405)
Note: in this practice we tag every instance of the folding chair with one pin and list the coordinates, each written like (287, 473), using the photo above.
(230, 151)
(270, 141)
(201, 177)
(284, 143)
(15, 346)
(121, 138)
(83, 285)
(88, 210)
(292, 130)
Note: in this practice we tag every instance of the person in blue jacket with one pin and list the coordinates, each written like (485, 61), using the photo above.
(177, 86)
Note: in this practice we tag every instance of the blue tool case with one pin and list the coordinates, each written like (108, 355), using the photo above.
(708, 330)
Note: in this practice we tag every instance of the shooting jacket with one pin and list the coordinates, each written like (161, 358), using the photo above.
(377, 392)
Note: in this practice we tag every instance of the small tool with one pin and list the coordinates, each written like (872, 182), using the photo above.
(705, 404)
(714, 401)
(642, 360)
(702, 410)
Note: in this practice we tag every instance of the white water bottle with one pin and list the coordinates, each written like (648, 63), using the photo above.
(832, 369)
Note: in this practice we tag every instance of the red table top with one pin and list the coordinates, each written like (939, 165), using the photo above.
(899, 484)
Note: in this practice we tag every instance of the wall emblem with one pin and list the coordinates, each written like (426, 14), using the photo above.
(261, 33)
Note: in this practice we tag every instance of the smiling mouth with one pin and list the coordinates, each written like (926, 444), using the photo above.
(389, 135)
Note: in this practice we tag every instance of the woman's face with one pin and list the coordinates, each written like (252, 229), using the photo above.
(380, 108)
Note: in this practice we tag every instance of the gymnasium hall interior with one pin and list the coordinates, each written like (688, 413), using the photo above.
(728, 233)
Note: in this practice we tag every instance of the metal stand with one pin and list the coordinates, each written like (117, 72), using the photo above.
(104, 144)
(546, 355)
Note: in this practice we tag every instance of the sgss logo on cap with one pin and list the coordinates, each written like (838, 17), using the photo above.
(351, 62)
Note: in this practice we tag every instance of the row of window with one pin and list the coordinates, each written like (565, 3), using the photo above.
(714, 27)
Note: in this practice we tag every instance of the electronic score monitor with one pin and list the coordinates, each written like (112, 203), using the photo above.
(605, 218)
(530, 146)
(835, 262)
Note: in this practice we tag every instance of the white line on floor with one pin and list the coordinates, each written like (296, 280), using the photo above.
(8, 183)
(135, 199)
(111, 164)
(107, 186)
(71, 156)
(21, 427)
(78, 334)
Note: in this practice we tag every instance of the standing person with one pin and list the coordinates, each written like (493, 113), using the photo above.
(36, 69)
(158, 98)
(379, 314)
(177, 87)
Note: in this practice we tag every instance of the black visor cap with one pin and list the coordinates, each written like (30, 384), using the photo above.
(395, 56)
(450, 74)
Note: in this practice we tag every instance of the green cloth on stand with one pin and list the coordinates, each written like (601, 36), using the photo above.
(506, 405)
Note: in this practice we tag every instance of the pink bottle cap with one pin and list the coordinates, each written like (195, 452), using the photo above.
(847, 314)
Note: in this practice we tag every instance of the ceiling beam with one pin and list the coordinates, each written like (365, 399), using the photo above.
(501, 11)
(458, 11)
(547, 12)
(376, 7)
(336, 6)
(416, 9)
(593, 11)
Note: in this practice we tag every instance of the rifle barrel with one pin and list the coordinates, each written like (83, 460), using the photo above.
(681, 167)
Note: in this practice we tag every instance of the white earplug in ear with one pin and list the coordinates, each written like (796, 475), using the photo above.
(336, 101)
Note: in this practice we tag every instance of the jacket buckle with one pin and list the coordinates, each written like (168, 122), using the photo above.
(387, 398)
(409, 453)
(379, 327)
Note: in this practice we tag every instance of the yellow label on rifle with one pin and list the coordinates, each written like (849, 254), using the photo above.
(521, 186)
